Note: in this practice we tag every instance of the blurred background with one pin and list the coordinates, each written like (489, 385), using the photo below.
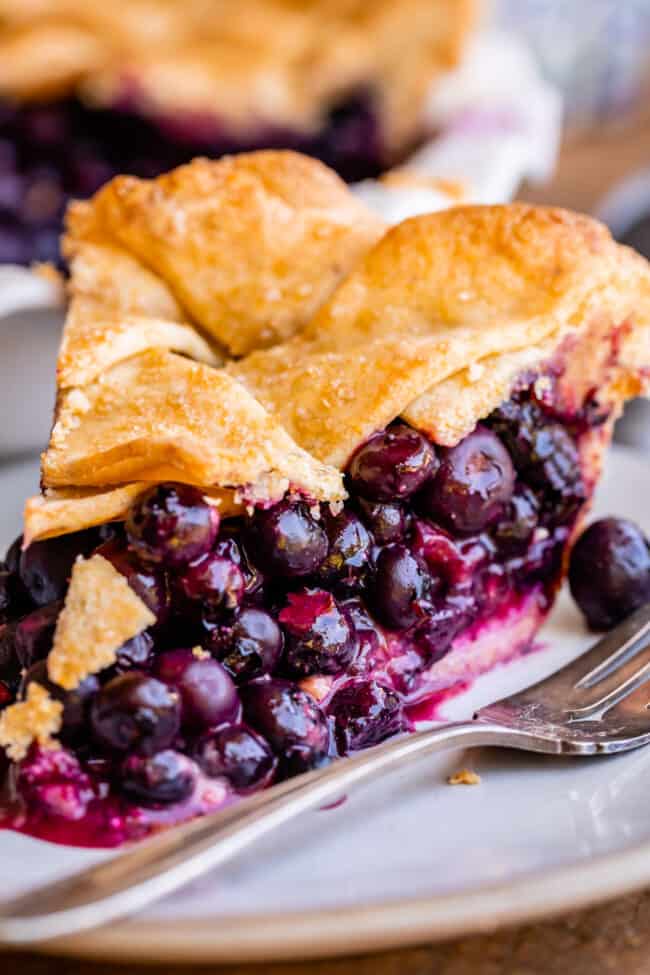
(417, 103)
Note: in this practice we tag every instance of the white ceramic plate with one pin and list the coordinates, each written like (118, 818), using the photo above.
(411, 858)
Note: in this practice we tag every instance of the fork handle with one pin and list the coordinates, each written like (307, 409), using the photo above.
(156, 867)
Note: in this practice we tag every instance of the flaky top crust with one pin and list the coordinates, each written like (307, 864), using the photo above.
(436, 322)
(249, 65)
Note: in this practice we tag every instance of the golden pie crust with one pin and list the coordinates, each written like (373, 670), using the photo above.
(250, 65)
(435, 320)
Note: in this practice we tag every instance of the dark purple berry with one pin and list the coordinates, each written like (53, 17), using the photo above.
(157, 780)
(208, 695)
(250, 647)
(392, 465)
(138, 652)
(369, 639)
(446, 618)
(387, 522)
(319, 637)
(215, 582)
(76, 703)
(45, 567)
(401, 586)
(147, 580)
(609, 571)
(555, 469)
(172, 524)
(515, 529)
(475, 481)
(238, 754)
(10, 667)
(365, 713)
(232, 549)
(287, 540)
(135, 713)
(291, 721)
(349, 546)
(34, 634)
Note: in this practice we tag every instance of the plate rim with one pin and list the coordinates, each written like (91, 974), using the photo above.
(369, 927)
(335, 932)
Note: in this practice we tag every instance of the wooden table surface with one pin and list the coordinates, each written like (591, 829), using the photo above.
(612, 939)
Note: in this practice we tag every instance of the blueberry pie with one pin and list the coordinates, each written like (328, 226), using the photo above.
(90, 90)
(306, 478)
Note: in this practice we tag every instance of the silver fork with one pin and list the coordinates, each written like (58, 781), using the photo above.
(595, 705)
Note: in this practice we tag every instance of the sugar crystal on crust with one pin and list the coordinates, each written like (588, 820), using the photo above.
(101, 612)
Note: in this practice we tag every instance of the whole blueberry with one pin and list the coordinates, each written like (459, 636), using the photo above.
(138, 652)
(400, 587)
(349, 546)
(34, 634)
(286, 539)
(554, 462)
(135, 713)
(148, 581)
(76, 703)
(291, 721)
(319, 638)
(369, 640)
(250, 647)
(392, 465)
(45, 567)
(514, 531)
(172, 524)
(475, 481)
(365, 713)
(609, 571)
(387, 522)
(233, 549)
(239, 754)
(208, 695)
(157, 780)
(216, 582)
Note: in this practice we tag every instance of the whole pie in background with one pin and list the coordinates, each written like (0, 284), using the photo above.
(306, 477)
(90, 90)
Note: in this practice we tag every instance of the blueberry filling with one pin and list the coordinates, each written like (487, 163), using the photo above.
(298, 632)
(52, 152)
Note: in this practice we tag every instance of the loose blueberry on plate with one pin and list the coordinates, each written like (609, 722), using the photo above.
(291, 721)
(238, 754)
(609, 571)
(135, 713)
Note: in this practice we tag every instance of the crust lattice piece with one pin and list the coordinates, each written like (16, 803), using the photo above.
(436, 320)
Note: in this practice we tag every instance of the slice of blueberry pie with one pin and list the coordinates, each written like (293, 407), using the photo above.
(305, 478)
(90, 90)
